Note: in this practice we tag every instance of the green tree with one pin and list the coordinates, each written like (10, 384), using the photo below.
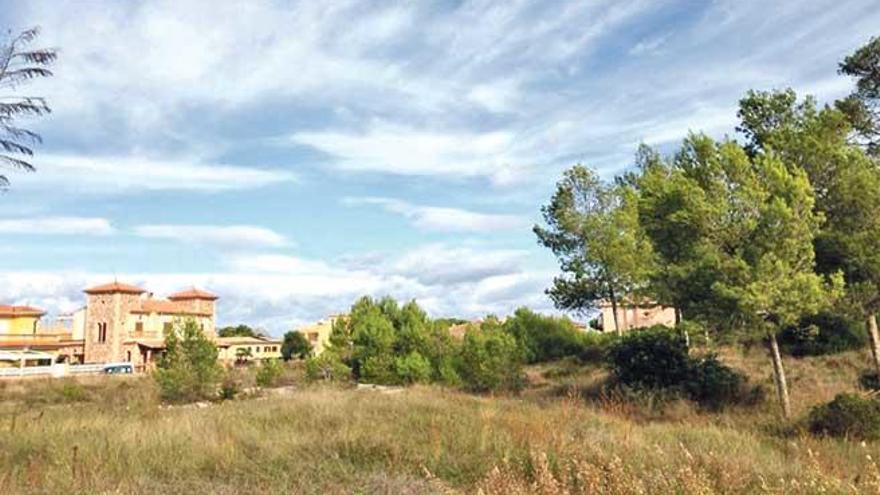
(413, 368)
(237, 331)
(750, 223)
(243, 354)
(295, 345)
(269, 373)
(863, 105)
(327, 367)
(19, 65)
(845, 182)
(593, 230)
(491, 360)
(189, 369)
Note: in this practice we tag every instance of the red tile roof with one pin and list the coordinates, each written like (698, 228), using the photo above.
(14, 311)
(164, 306)
(192, 294)
(113, 288)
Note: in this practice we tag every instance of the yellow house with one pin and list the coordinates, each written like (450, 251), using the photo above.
(318, 334)
(19, 321)
(233, 350)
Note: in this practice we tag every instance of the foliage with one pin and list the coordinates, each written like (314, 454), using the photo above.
(714, 385)
(652, 358)
(593, 230)
(237, 331)
(848, 415)
(188, 371)
(823, 333)
(863, 105)
(327, 367)
(19, 65)
(869, 380)
(413, 368)
(544, 338)
(295, 345)
(269, 373)
(491, 360)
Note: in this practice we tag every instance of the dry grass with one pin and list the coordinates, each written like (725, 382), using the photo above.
(110, 436)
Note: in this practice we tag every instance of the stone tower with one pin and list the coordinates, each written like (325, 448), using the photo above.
(107, 308)
(198, 302)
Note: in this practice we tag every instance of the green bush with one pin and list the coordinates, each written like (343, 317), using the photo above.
(545, 338)
(869, 380)
(229, 387)
(847, 415)
(652, 358)
(269, 373)
(327, 367)
(189, 370)
(714, 385)
(823, 333)
(491, 360)
(413, 368)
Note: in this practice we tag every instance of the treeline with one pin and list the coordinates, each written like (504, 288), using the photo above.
(746, 238)
(382, 342)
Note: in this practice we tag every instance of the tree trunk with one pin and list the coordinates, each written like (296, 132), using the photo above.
(614, 310)
(779, 376)
(875, 340)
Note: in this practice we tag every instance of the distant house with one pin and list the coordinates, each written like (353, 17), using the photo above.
(630, 316)
(247, 349)
(21, 331)
(318, 333)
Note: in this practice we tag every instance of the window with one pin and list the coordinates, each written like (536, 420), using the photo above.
(102, 332)
(313, 336)
(139, 327)
(128, 356)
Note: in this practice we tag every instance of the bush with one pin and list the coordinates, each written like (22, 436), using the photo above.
(545, 338)
(714, 385)
(229, 388)
(650, 358)
(869, 380)
(413, 368)
(189, 370)
(847, 415)
(823, 333)
(491, 360)
(327, 367)
(269, 372)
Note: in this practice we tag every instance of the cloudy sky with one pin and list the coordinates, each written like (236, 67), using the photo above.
(291, 156)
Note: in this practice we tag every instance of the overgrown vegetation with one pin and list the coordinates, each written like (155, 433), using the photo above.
(848, 415)
(188, 371)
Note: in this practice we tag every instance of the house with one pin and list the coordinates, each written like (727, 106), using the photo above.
(631, 315)
(235, 350)
(21, 331)
(318, 334)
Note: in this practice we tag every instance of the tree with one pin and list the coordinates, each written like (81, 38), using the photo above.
(593, 230)
(189, 369)
(237, 331)
(295, 344)
(863, 105)
(491, 360)
(845, 182)
(749, 222)
(18, 65)
(243, 354)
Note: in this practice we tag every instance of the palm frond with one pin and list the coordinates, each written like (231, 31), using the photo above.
(16, 163)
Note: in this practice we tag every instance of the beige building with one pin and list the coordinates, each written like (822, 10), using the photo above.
(241, 350)
(630, 316)
(318, 334)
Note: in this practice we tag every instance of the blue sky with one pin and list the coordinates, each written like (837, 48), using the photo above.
(291, 156)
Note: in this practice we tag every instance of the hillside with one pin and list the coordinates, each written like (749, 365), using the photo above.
(111, 435)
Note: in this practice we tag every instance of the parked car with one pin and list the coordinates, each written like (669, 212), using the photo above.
(117, 369)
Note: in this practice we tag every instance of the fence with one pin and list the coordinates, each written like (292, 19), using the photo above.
(55, 370)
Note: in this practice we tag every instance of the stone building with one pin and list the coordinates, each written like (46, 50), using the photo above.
(630, 316)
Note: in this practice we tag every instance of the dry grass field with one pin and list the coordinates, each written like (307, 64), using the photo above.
(110, 435)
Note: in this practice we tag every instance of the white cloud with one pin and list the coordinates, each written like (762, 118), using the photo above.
(445, 219)
(56, 226)
(133, 175)
(439, 264)
(245, 236)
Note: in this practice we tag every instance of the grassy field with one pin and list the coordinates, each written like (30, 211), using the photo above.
(110, 435)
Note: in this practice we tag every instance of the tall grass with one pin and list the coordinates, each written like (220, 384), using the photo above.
(112, 436)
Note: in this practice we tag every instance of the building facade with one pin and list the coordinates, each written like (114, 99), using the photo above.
(630, 316)
(318, 334)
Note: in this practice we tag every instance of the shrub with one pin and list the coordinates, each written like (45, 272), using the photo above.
(650, 358)
(269, 372)
(848, 415)
(714, 385)
(229, 387)
(189, 370)
(491, 360)
(869, 380)
(412, 368)
(823, 333)
(327, 367)
(545, 338)
(295, 345)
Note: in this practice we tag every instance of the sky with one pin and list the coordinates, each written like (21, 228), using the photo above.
(293, 156)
